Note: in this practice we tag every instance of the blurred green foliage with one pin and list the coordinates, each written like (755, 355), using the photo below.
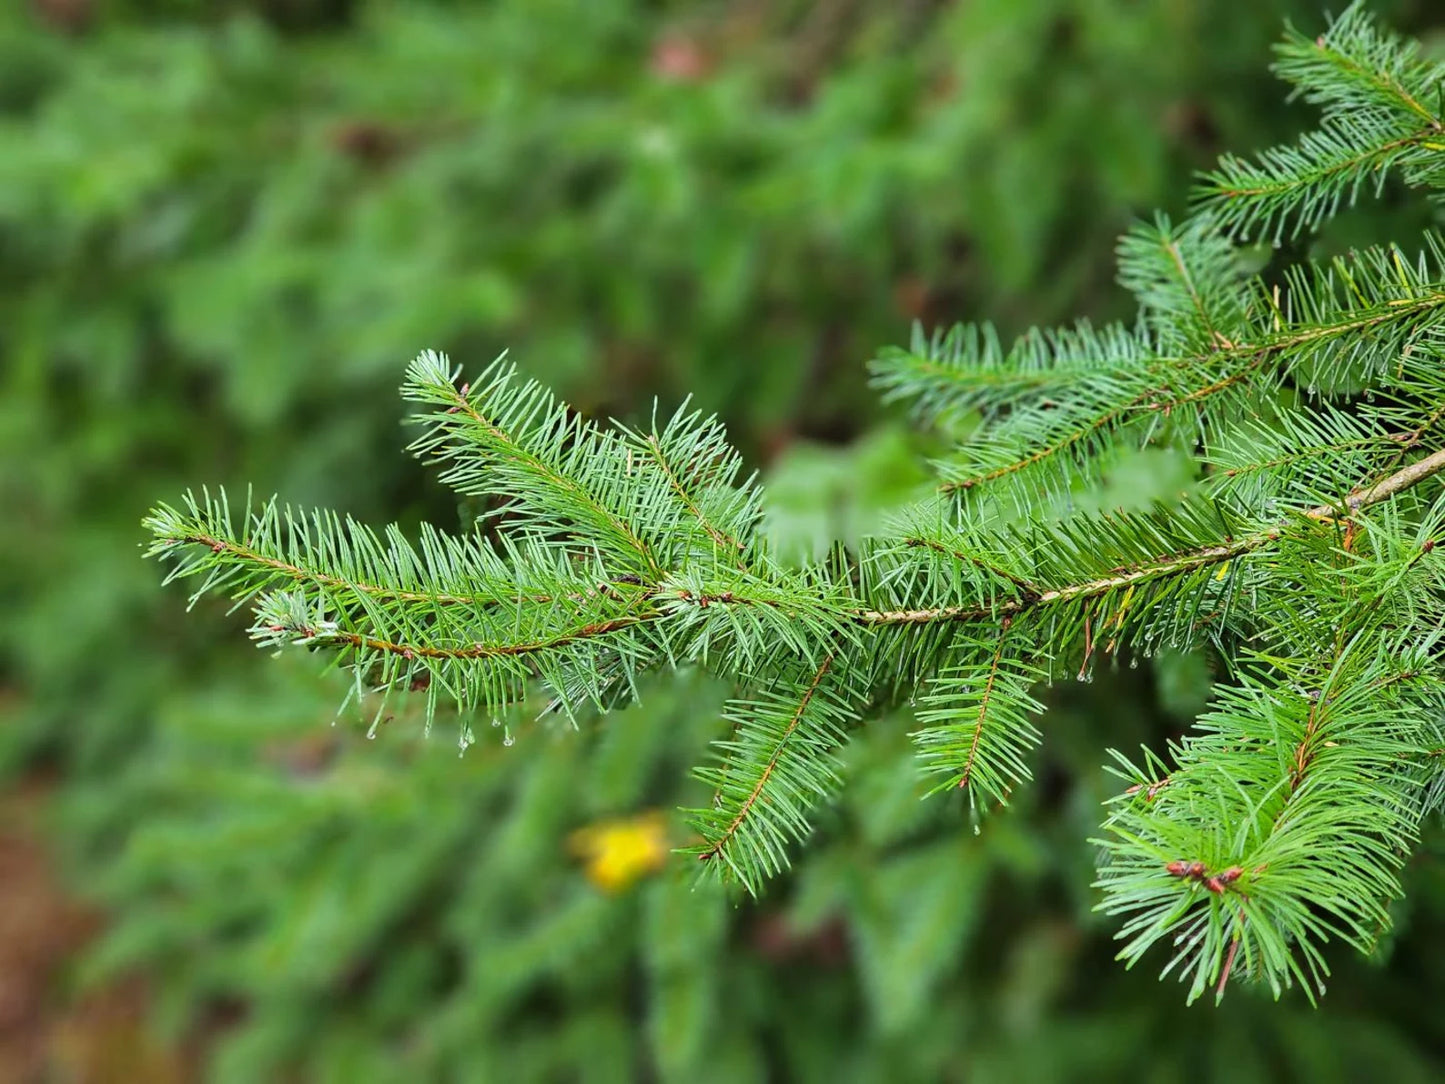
(224, 228)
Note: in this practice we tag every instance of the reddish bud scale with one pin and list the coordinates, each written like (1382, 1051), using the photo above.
(1197, 871)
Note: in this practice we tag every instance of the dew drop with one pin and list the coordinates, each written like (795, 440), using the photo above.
(977, 830)
(496, 722)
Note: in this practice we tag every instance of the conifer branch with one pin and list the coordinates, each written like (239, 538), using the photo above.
(714, 847)
(1372, 87)
(339, 637)
(548, 463)
(231, 550)
(1226, 366)
(975, 728)
(1398, 482)
(983, 704)
(1006, 609)
(978, 561)
(1171, 248)
(1305, 559)
(724, 540)
(967, 368)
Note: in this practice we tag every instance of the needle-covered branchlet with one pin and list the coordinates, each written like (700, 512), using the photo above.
(1302, 555)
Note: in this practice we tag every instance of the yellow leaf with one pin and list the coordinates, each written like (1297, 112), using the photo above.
(618, 852)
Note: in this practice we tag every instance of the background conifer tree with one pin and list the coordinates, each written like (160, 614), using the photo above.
(224, 228)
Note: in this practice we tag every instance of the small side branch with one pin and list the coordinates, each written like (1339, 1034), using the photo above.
(1242, 360)
(983, 708)
(1397, 483)
(721, 538)
(337, 637)
(1002, 573)
(301, 574)
(716, 846)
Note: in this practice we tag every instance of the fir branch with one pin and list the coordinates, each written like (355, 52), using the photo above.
(976, 730)
(1401, 480)
(1282, 858)
(1054, 435)
(310, 633)
(551, 468)
(1009, 608)
(1373, 87)
(723, 540)
(778, 762)
(1307, 184)
(1355, 65)
(965, 369)
(1188, 283)
(1276, 825)
(970, 761)
(978, 561)
(1158, 569)
(699, 466)
(714, 847)
(230, 551)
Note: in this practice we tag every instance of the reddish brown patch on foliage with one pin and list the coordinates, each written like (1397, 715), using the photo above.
(677, 59)
(100, 1038)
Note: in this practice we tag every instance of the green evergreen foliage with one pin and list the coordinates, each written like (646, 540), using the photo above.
(1278, 824)
(1380, 115)
(223, 227)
